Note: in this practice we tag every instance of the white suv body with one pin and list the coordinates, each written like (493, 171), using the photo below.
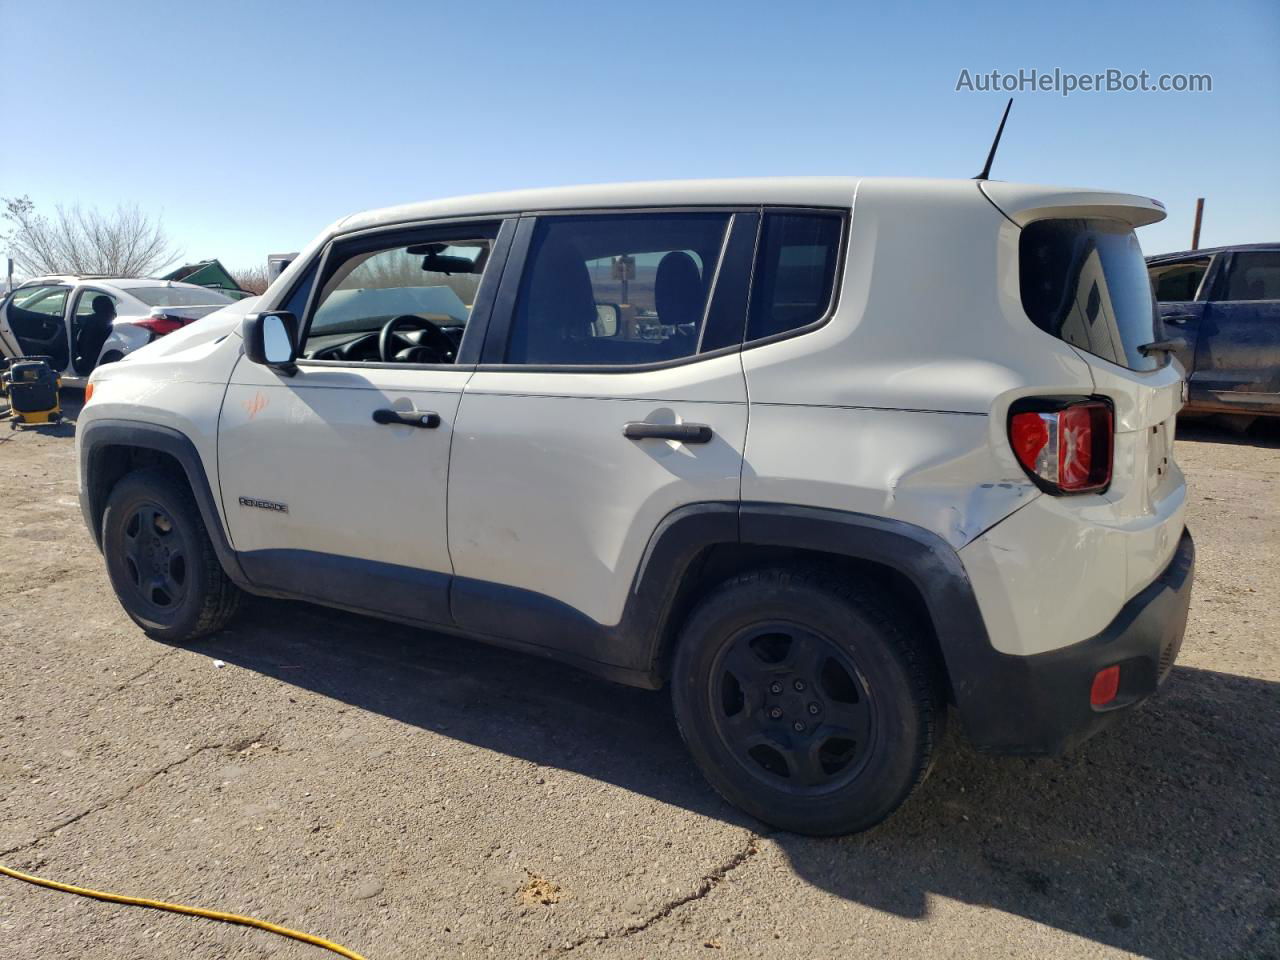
(674, 427)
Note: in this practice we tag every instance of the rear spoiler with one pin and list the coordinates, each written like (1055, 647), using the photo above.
(1023, 203)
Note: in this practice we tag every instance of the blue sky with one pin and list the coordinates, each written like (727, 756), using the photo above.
(250, 126)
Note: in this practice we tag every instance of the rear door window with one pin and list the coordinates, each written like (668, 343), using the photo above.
(1085, 282)
(795, 272)
(85, 303)
(1254, 275)
(1178, 282)
(617, 290)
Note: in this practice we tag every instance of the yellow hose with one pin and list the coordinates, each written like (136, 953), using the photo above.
(180, 908)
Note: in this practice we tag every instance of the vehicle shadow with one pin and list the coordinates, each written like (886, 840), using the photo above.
(1160, 836)
(1263, 432)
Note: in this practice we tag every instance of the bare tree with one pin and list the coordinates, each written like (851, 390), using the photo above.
(124, 243)
(253, 279)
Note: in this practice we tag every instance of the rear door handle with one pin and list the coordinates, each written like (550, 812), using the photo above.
(409, 418)
(681, 432)
(1177, 319)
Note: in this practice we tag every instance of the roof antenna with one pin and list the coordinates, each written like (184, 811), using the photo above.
(986, 170)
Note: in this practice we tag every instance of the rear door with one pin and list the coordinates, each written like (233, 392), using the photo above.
(1238, 349)
(612, 394)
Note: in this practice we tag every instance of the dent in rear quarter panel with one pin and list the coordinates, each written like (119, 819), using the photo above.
(895, 407)
(934, 470)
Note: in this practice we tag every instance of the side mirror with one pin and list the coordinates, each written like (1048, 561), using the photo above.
(608, 317)
(271, 339)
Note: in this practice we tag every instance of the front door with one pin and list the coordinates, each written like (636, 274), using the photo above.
(333, 480)
(1177, 285)
(32, 323)
(615, 397)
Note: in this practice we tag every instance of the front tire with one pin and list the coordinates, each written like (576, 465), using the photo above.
(806, 702)
(160, 559)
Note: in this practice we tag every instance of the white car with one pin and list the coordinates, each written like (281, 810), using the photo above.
(82, 321)
(827, 457)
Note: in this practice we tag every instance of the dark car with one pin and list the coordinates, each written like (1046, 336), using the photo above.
(1225, 303)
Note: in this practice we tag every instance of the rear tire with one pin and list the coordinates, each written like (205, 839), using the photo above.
(806, 702)
(161, 561)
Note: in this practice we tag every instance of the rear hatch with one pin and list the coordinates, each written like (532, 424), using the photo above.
(1083, 279)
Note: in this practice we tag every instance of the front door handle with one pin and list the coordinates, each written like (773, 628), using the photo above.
(681, 432)
(1177, 319)
(409, 418)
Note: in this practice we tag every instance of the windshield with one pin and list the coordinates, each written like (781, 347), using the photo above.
(178, 296)
(1085, 282)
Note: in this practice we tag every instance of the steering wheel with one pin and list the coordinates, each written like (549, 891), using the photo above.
(436, 340)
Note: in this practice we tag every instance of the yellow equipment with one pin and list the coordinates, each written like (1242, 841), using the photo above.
(31, 386)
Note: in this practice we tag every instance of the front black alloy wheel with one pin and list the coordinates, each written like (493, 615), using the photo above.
(155, 557)
(160, 559)
(806, 701)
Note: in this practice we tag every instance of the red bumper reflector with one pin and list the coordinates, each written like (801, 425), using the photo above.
(1106, 684)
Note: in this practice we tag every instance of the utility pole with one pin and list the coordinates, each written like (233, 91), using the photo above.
(1195, 231)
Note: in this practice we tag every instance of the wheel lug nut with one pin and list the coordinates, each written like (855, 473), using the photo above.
(799, 685)
(813, 709)
(776, 713)
(798, 726)
(775, 687)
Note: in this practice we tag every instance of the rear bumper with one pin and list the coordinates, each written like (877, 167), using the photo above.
(1039, 704)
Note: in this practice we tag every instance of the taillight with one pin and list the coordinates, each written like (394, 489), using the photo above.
(1065, 446)
(161, 323)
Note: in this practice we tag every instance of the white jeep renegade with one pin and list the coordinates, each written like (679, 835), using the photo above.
(826, 456)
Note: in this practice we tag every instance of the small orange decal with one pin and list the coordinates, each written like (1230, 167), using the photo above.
(256, 405)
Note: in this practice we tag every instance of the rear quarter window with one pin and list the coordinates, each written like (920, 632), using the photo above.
(1085, 282)
(795, 272)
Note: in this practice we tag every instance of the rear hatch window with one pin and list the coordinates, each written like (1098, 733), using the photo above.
(1085, 282)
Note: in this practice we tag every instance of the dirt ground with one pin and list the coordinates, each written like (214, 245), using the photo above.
(417, 796)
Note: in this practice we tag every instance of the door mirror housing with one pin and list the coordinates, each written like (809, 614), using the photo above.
(271, 339)
(608, 320)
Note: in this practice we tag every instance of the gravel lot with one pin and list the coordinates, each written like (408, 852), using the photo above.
(416, 796)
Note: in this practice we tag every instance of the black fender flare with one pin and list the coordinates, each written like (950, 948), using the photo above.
(928, 562)
(98, 436)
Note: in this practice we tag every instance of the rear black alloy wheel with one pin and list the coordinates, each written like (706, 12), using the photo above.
(792, 707)
(806, 700)
(160, 559)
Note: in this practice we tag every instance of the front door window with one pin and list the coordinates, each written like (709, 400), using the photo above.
(407, 303)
